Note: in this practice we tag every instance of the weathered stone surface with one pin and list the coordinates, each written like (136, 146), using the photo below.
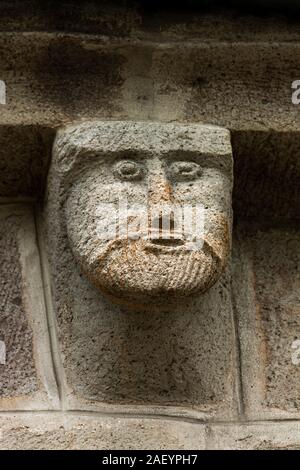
(53, 431)
(208, 82)
(266, 290)
(92, 73)
(27, 379)
(113, 354)
(255, 436)
(215, 83)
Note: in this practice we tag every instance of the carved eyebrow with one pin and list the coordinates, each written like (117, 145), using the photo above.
(222, 162)
(106, 155)
(131, 155)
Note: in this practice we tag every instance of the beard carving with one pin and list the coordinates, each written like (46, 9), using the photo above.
(156, 270)
(136, 271)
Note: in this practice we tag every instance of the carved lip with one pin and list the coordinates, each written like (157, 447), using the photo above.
(166, 242)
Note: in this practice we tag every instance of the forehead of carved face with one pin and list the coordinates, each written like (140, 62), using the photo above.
(148, 206)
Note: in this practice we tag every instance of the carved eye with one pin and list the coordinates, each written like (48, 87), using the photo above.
(185, 171)
(128, 170)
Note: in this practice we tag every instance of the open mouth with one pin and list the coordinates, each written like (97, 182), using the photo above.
(162, 242)
(167, 241)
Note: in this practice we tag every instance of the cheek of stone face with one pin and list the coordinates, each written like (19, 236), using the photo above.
(213, 190)
(95, 212)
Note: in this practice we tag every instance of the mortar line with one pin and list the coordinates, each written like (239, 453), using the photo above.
(158, 41)
(97, 414)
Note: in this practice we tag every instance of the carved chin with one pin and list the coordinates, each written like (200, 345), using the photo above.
(137, 273)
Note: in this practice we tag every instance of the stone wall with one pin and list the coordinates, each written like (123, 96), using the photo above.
(76, 370)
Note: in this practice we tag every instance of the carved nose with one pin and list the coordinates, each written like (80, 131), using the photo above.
(159, 187)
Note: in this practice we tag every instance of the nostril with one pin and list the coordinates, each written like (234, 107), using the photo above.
(165, 221)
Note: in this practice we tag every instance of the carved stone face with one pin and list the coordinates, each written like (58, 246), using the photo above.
(132, 194)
